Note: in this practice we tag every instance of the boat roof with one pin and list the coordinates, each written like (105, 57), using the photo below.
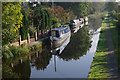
(60, 28)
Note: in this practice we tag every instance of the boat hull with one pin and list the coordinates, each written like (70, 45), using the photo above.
(58, 42)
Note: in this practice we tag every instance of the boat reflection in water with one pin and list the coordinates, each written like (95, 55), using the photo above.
(76, 28)
(58, 50)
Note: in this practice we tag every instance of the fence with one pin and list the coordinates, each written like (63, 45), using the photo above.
(25, 41)
(36, 36)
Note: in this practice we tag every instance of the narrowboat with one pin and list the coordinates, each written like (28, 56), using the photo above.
(80, 24)
(74, 22)
(58, 35)
(58, 50)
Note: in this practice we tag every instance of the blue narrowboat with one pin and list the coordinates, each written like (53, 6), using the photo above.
(58, 35)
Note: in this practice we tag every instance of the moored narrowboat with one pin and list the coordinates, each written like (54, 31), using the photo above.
(58, 35)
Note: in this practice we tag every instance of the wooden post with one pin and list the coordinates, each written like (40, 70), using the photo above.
(28, 38)
(40, 32)
(37, 54)
(30, 57)
(19, 39)
(11, 64)
(35, 36)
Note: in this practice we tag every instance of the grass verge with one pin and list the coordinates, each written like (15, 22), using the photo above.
(99, 64)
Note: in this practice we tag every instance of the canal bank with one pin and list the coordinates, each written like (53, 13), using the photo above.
(104, 63)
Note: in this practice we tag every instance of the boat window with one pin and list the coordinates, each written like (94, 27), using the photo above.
(55, 33)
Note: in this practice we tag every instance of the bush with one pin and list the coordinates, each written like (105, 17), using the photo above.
(5, 55)
(23, 45)
(14, 50)
(21, 50)
(6, 52)
(31, 48)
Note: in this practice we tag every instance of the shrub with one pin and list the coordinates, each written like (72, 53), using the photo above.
(31, 48)
(6, 52)
(10, 53)
(5, 55)
(35, 47)
(21, 50)
(14, 50)
(23, 45)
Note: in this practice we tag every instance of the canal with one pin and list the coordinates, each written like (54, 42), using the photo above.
(73, 59)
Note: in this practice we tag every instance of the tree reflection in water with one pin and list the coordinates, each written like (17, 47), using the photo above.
(23, 70)
(95, 22)
(19, 70)
(43, 59)
(78, 46)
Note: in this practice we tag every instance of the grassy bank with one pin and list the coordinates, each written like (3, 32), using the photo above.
(12, 51)
(99, 64)
(114, 34)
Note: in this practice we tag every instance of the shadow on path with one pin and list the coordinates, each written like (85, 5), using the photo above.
(111, 57)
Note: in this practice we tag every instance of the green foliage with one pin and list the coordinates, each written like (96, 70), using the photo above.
(24, 29)
(49, 18)
(21, 50)
(79, 9)
(14, 50)
(32, 31)
(6, 53)
(54, 21)
(37, 18)
(43, 19)
(11, 20)
(114, 14)
(23, 45)
(36, 47)
(46, 19)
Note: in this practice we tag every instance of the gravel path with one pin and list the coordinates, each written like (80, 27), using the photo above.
(111, 57)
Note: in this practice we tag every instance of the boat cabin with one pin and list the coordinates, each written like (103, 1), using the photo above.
(57, 32)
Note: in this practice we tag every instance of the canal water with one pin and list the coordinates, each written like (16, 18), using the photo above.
(73, 59)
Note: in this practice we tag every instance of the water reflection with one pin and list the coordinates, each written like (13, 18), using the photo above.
(42, 60)
(80, 43)
(13, 68)
(20, 67)
(60, 48)
(70, 63)
(95, 23)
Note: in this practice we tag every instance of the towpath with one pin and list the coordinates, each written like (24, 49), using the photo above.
(111, 57)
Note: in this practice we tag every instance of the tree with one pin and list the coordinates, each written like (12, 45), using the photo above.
(24, 29)
(37, 18)
(43, 19)
(11, 20)
(46, 19)
(79, 9)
